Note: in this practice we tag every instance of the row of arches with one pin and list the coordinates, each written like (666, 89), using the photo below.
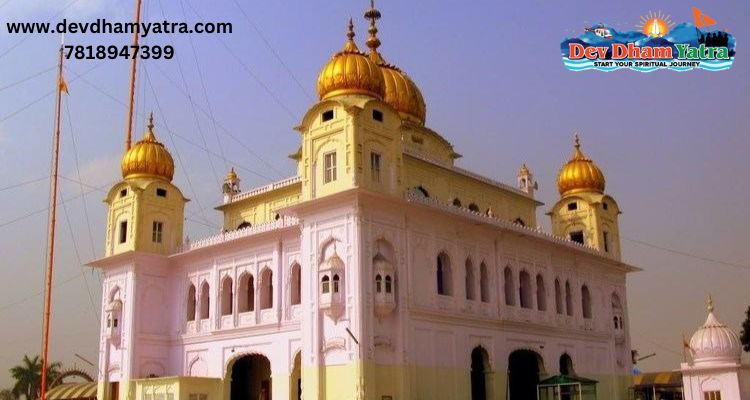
(445, 279)
(456, 202)
(528, 292)
(246, 293)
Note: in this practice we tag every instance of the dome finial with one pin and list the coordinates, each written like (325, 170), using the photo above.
(710, 304)
(350, 46)
(577, 140)
(373, 14)
(150, 121)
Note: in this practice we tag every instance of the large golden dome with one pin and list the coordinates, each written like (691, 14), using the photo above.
(148, 158)
(580, 174)
(400, 91)
(350, 72)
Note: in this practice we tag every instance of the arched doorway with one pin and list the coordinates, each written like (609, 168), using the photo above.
(251, 378)
(480, 367)
(524, 370)
(296, 384)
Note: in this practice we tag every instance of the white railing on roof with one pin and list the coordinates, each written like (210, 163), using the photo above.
(426, 158)
(415, 196)
(283, 222)
(264, 189)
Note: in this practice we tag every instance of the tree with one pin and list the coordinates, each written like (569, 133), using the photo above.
(7, 394)
(745, 337)
(28, 377)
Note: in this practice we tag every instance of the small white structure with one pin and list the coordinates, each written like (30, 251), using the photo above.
(716, 371)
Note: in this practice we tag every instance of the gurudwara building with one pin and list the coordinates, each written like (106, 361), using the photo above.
(381, 270)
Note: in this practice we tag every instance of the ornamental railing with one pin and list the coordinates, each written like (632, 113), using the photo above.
(267, 188)
(228, 236)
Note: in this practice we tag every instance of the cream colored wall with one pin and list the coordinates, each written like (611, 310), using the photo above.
(591, 218)
(445, 185)
(260, 209)
(141, 207)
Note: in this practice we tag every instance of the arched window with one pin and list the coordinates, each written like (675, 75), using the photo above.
(558, 297)
(325, 284)
(525, 289)
(457, 202)
(388, 284)
(566, 365)
(469, 276)
(266, 289)
(191, 303)
(444, 284)
(617, 311)
(378, 283)
(484, 283)
(204, 301)
(568, 299)
(296, 295)
(226, 296)
(424, 191)
(541, 293)
(586, 302)
(246, 299)
(519, 221)
(473, 207)
(336, 283)
(510, 294)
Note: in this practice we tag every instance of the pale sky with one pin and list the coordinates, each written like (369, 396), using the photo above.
(673, 146)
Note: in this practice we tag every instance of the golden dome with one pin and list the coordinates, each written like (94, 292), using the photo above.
(350, 72)
(148, 158)
(580, 174)
(231, 176)
(400, 91)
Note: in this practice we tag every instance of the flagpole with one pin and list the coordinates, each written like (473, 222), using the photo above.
(133, 70)
(52, 222)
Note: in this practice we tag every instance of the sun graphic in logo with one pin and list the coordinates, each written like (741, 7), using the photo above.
(655, 24)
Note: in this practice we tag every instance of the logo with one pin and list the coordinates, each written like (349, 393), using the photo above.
(658, 43)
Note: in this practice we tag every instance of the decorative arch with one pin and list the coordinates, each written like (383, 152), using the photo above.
(510, 292)
(566, 365)
(227, 295)
(586, 302)
(469, 279)
(524, 289)
(191, 302)
(246, 292)
(541, 293)
(444, 275)
(484, 283)
(296, 284)
(197, 367)
(266, 288)
(559, 307)
(204, 298)
(525, 370)
(568, 299)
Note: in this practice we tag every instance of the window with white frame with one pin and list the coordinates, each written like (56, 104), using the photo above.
(375, 160)
(329, 160)
(156, 231)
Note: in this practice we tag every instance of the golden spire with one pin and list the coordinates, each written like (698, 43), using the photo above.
(710, 303)
(524, 170)
(373, 14)
(150, 128)
(350, 46)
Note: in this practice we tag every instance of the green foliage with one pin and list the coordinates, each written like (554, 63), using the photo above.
(745, 337)
(28, 377)
(7, 394)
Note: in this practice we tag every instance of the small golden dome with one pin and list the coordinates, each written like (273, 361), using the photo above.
(524, 170)
(350, 72)
(148, 158)
(231, 176)
(400, 91)
(580, 174)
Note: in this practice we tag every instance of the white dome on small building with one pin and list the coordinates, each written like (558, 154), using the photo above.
(714, 341)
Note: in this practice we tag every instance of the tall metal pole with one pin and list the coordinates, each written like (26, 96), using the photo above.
(51, 225)
(133, 70)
